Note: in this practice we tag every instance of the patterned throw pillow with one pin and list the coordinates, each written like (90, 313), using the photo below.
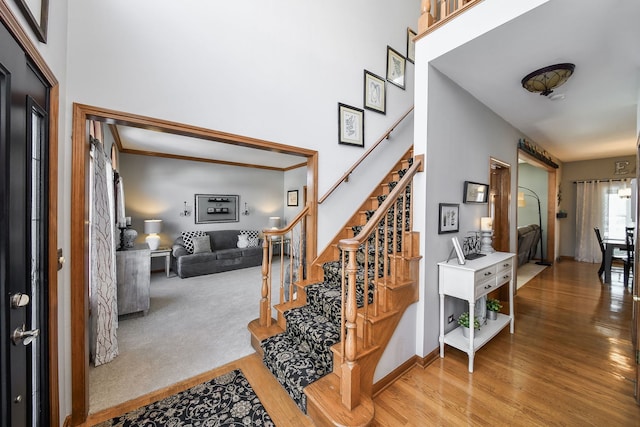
(201, 244)
(253, 238)
(187, 237)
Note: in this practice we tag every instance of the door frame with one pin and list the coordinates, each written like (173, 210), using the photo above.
(12, 24)
(505, 206)
(552, 197)
(80, 223)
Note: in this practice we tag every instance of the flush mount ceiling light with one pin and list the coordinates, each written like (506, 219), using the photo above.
(548, 78)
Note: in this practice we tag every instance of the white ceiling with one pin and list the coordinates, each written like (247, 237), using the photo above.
(597, 118)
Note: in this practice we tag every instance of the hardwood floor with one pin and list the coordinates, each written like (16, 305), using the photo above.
(568, 363)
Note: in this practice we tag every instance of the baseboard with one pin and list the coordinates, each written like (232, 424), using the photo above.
(392, 376)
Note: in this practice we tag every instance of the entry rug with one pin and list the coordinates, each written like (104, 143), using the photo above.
(227, 400)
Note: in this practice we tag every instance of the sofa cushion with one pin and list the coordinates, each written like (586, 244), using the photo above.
(187, 237)
(252, 251)
(229, 253)
(201, 244)
(252, 237)
(224, 239)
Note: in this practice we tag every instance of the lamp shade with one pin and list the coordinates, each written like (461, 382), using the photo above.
(274, 222)
(152, 226)
(548, 78)
(486, 223)
(521, 202)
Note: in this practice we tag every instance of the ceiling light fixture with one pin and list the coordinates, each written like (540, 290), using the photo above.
(548, 78)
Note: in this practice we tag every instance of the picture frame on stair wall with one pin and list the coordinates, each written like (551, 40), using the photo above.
(396, 64)
(350, 125)
(374, 93)
(411, 45)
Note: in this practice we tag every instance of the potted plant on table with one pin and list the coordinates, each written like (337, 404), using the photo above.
(463, 321)
(493, 307)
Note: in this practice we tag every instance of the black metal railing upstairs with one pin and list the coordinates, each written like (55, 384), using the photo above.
(345, 177)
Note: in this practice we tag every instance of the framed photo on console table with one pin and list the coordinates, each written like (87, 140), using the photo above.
(216, 208)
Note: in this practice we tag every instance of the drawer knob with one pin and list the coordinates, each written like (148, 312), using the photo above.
(488, 287)
(505, 277)
(488, 273)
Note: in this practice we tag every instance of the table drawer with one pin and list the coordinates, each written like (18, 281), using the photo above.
(485, 286)
(485, 274)
(503, 277)
(505, 266)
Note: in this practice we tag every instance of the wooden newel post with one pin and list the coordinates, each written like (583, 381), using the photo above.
(265, 300)
(350, 369)
(426, 19)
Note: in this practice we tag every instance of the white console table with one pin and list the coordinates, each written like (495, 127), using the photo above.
(469, 282)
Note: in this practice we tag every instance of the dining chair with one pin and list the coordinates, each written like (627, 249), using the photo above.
(628, 261)
(615, 257)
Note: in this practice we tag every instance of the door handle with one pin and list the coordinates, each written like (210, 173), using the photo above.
(25, 336)
(19, 300)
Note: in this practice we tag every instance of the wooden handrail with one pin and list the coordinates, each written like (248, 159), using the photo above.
(353, 242)
(448, 9)
(350, 369)
(346, 175)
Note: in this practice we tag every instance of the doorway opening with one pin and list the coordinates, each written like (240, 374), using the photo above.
(80, 223)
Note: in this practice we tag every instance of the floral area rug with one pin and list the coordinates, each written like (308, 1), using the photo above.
(227, 400)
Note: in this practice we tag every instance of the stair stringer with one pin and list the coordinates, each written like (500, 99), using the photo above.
(324, 404)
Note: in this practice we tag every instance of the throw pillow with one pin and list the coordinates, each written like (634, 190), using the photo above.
(201, 244)
(253, 238)
(187, 237)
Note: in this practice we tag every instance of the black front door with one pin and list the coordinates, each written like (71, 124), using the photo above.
(24, 162)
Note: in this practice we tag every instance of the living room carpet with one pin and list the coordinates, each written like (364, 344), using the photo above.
(193, 325)
(227, 400)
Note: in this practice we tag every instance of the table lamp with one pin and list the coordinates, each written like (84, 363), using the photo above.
(152, 227)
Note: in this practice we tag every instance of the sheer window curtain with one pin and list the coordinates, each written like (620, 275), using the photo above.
(592, 210)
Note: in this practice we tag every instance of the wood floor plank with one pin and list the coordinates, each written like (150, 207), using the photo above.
(570, 362)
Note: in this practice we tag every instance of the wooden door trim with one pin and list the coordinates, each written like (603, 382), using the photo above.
(79, 223)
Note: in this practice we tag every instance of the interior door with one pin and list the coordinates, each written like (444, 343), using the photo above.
(635, 322)
(23, 245)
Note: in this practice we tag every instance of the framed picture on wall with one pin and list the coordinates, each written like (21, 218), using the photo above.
(350, 125)
(292, 198)
(36, 12)
(216, 208)
(475, 192)
(374, 93)
(448, 218)
(396, 64)
(411, 46)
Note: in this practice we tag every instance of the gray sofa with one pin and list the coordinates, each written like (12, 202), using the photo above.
(528, 239)
(224, 255)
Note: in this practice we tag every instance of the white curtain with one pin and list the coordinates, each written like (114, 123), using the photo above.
(103, 293)
(592, 210)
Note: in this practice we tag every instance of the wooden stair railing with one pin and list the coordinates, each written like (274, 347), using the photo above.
(395, 245)
(347, 174)
(445, 11)
(293, 237)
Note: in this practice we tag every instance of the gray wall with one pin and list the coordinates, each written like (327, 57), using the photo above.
(580, 171)
(157, 188)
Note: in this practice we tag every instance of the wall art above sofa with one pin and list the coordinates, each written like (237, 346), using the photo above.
(216, 208)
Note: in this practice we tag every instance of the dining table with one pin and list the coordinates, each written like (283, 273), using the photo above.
(610, 245)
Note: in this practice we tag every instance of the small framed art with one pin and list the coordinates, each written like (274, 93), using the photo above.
(350, 125)
(411, 46)
(374, 93)
(36, 12)
(292, 198)
(396, 64)
(475, 192)
(448, 218)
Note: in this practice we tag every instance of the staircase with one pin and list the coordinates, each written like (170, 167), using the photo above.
(360, 285)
